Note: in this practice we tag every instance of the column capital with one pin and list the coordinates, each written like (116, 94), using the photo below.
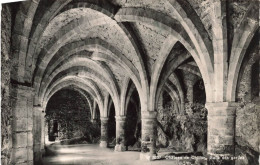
(26, 91)
(221, 108)
(104, 118)
(120, 118)
(22, 87)
(149, 114)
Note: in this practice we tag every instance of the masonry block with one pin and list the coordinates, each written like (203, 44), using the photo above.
(19, 155)
(20, 139)
(221, 126)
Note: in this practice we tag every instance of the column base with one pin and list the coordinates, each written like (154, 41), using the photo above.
(147, 156)
(120, 147)
(103, 144)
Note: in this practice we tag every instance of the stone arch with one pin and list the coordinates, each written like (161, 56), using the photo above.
(130, 91)
(151, 17)
(242, 38)
(244, 80)
(170, 68)
(95, 44)
(73, 28)
(110, 102)
(158, 66)
(105, 77)
(169, 24)
(64, 36)
(190, 21)
(123, 95)
(69, 31)
(96, 91)
(54, 11)
(57, 8)
(38, 30)
(189, 68)
(65, 84)
(88, 100)
(174, 79)
(22, 26)
(173, 94)
(83, 72)
(106, 102)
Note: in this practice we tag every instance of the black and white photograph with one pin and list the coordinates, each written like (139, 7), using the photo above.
(130, 82)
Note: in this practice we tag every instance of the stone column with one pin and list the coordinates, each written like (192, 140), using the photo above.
(46, 133)
(221, 128)
(43, 132)
(22, 124)
(190, 92)
(104, 135)
(120, 133)
(37, 133)
(149, 135)
(93, 121)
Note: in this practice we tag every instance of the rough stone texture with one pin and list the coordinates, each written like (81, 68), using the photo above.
(181, 132)
(247, 133)
(104, 136)
(120, 133)
(37, 134)
(189, 80)
(221, 123)
(119, 74)
(6, 111)
(72, 113)
(245, 87)
(22, 124)
(152, 39)
(162, 5)
(203, 9)
(109, 33)
(237, 11)
(65, 18)
(248, 113)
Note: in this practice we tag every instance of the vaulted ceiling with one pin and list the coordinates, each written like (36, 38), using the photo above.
(99, 45)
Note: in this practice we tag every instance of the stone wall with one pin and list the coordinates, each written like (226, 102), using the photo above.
(72, 113)
(21, 98)
(6, 111)
(185, 132)
(248, 113)
(247, 133)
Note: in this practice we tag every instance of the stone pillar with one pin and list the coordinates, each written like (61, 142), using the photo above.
(43, 132)
(22, 124)
(190, 92)
(94, 121)
(37, 133)
(104, 135)
(149, 135)
(221, 128)
(46, 133)
(120, 133)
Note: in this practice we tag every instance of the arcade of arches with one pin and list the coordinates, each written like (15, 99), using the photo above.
(146, 75)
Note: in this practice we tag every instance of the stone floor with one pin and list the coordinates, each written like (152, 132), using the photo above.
(89, 154)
